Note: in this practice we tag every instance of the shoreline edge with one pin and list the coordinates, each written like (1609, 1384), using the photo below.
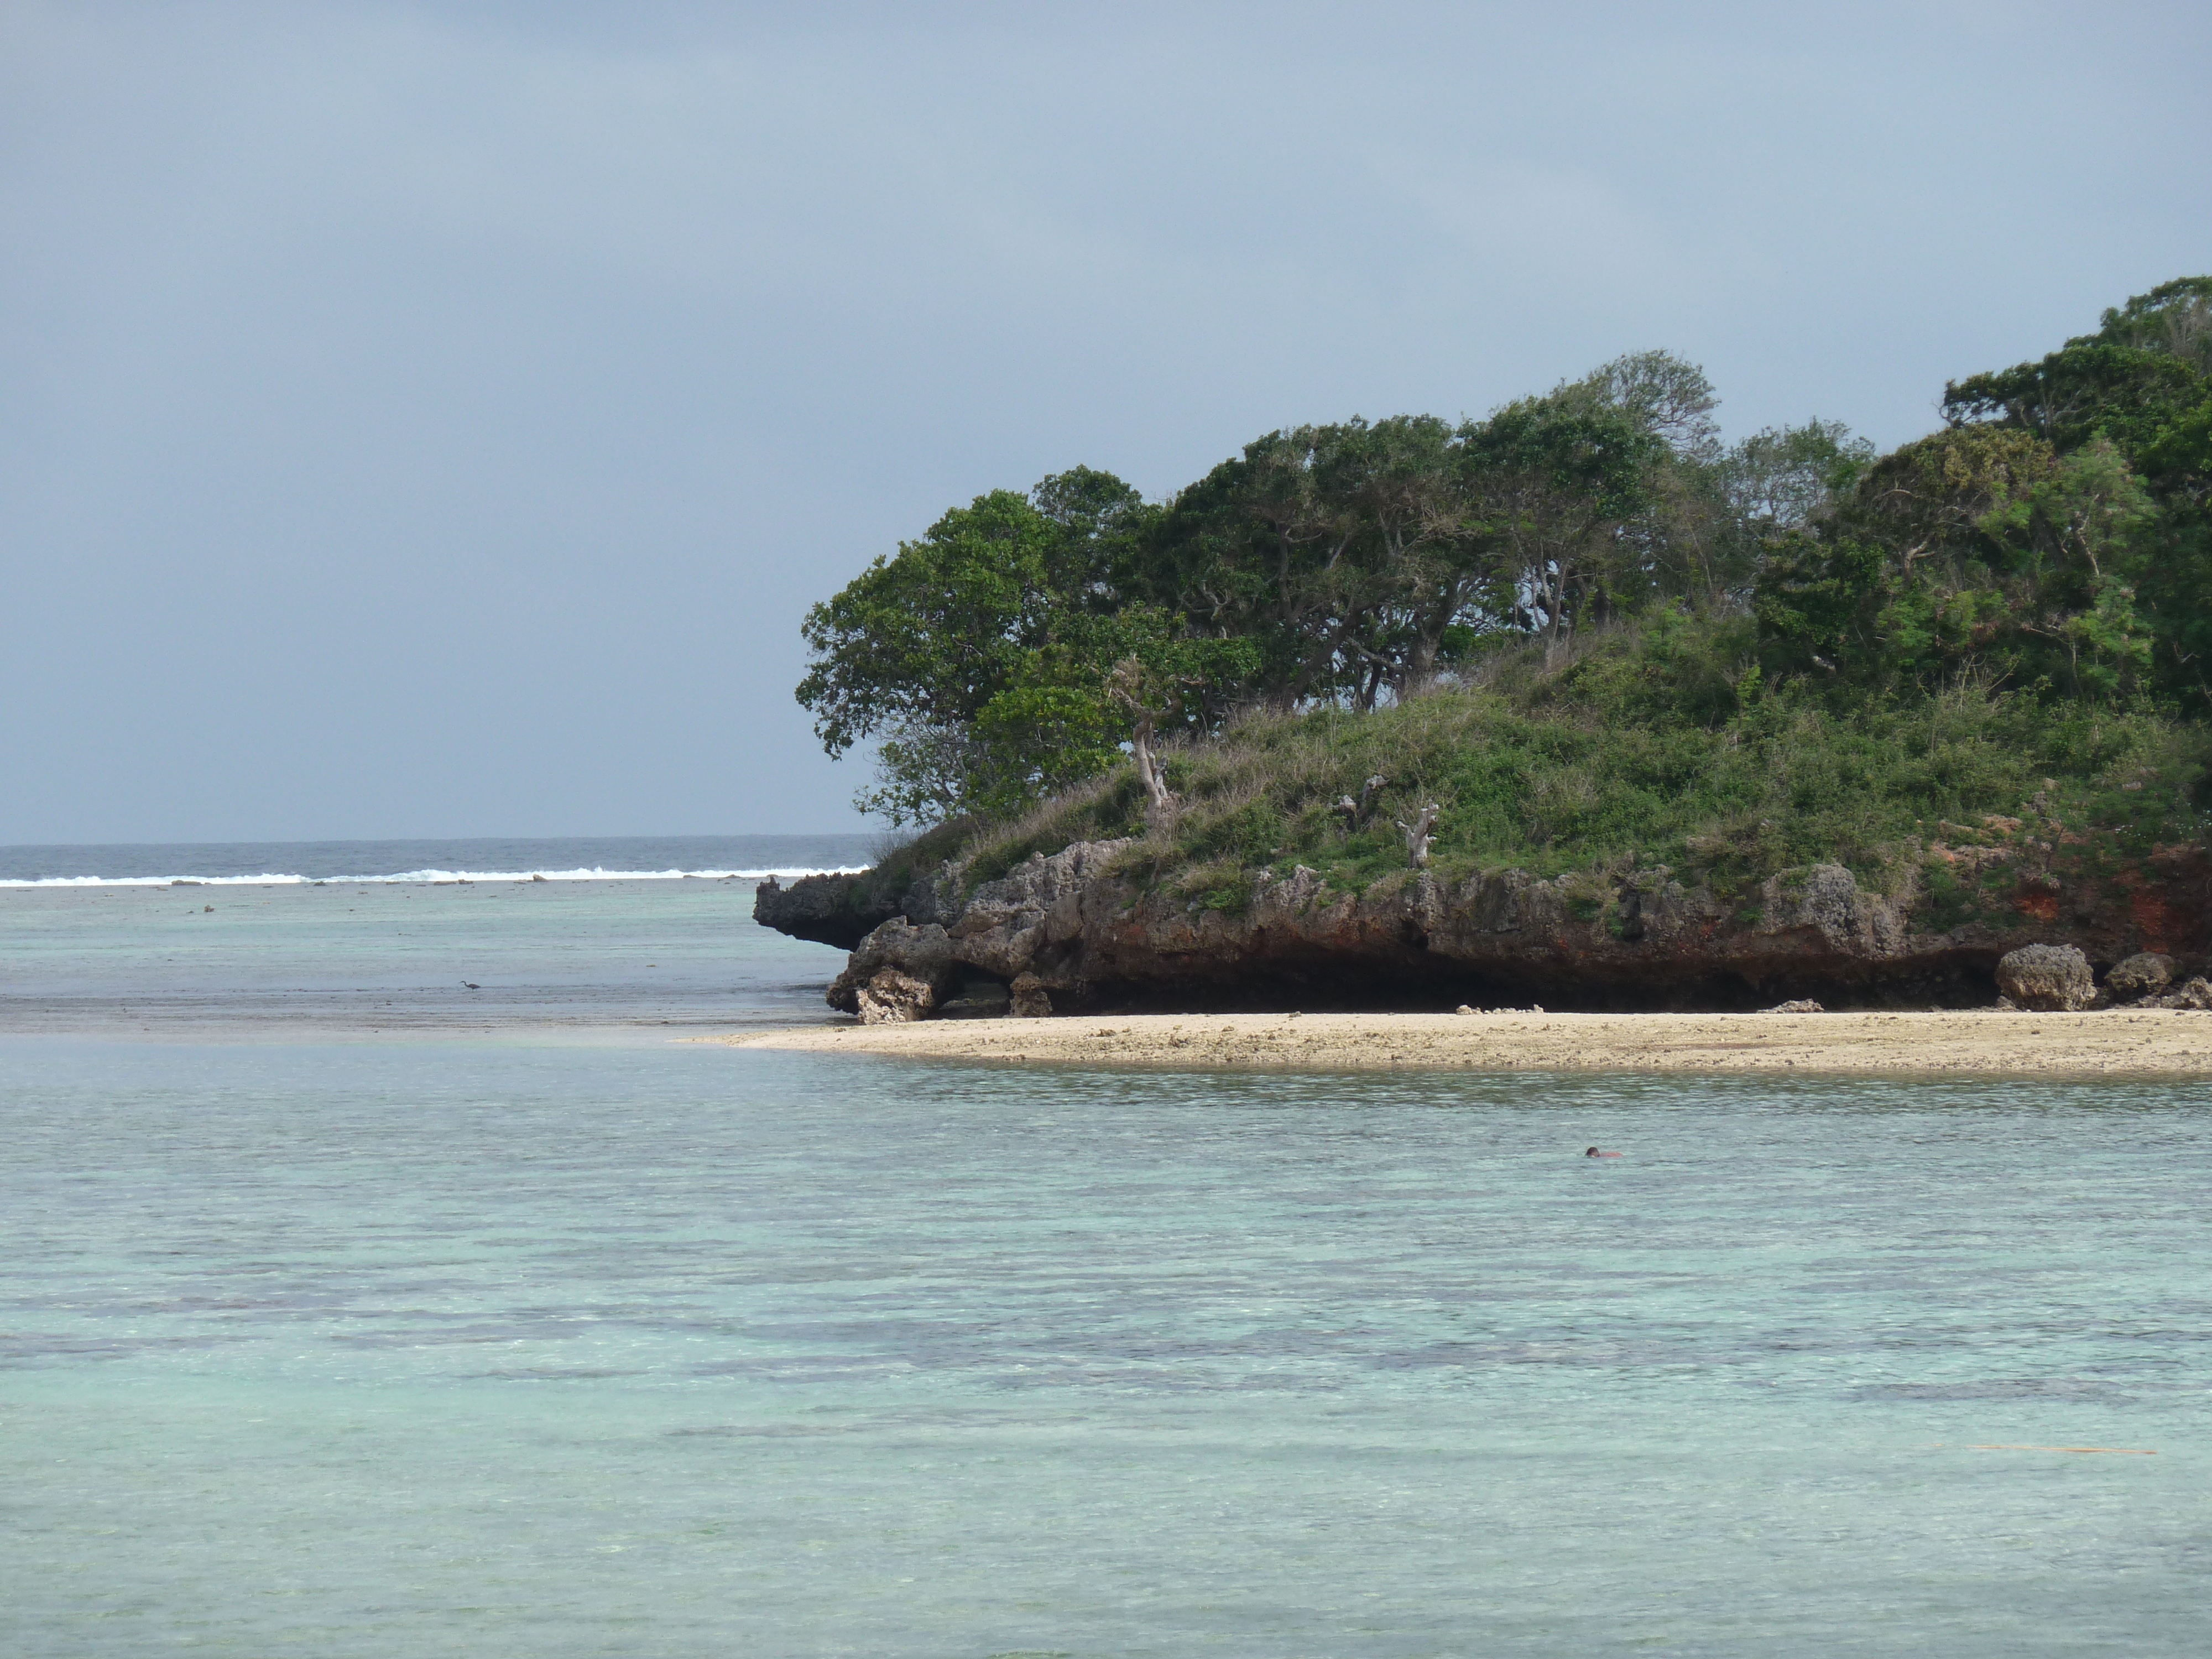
(2117, 1042)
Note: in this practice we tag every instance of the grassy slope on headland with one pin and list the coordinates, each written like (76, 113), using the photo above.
(1656, 745)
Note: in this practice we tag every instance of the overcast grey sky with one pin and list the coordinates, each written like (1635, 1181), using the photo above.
(434, 419)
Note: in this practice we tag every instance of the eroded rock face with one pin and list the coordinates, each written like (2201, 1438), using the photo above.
(827, 910)
(922, 953)
(1828, 904)
(843, 909)
(2145, 973)
(1034, 911)
(2047, 979)
(892, 997)
(2196, 994)
(1063, 932)
(1029, 999)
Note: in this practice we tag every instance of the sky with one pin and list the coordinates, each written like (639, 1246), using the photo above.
(434, 419)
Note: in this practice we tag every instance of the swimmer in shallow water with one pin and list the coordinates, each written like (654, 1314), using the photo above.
(1594, 1152)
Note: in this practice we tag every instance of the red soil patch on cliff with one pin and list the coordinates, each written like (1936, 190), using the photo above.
(2162, 923)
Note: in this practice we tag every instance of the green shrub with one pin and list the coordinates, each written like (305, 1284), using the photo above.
(1660, 745)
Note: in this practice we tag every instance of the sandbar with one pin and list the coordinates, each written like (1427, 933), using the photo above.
(2112, 1042)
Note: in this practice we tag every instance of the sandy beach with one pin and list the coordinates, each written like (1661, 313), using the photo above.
(2149, 1043)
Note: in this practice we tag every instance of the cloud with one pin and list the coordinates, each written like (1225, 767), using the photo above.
(434, 418)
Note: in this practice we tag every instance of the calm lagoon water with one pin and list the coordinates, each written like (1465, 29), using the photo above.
(517, 1328)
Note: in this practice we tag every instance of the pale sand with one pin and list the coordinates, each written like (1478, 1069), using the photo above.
(2155, 1042)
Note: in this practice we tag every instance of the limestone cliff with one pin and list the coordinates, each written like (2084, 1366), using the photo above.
(840, 909)
(1080, 930)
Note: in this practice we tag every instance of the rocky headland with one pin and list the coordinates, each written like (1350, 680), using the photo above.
(1082, 930)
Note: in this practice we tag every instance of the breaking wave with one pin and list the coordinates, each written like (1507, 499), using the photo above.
(427, 878)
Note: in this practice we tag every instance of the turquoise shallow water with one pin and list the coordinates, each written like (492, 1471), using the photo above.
(352, 960)
(520, 1343)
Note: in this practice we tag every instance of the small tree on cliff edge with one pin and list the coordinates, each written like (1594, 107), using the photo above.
(1154, 685)
(961, 654)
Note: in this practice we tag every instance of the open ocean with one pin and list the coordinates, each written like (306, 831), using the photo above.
(383, 1277)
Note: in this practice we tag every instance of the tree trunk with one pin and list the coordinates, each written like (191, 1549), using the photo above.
(1158, 801)
(1418, 834)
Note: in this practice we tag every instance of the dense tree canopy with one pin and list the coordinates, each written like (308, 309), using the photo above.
(2053, 536)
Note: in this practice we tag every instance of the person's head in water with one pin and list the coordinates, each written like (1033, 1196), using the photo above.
(1593, 1153)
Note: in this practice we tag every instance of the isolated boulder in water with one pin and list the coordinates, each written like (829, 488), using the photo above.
(2143, 974)
(2047, 979)
(891, 998)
